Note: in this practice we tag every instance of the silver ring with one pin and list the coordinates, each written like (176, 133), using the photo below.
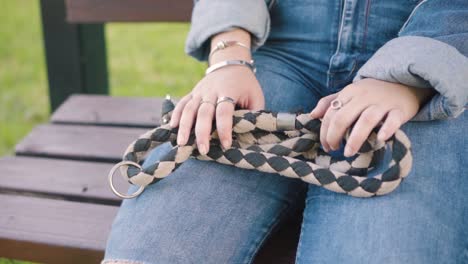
(206, 101)
(336, 104)
(226, 99)
(111, 175)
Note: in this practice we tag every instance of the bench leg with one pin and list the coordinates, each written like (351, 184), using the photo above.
(75, 54)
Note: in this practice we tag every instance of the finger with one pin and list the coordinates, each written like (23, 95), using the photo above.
(257, 103)
(186, 120)
(322, 106)
(342, 120)
(204, 122)
(224, 112)
(326, 121)
(391, 124)
(368, 119)
(177, 112)
(324, 128)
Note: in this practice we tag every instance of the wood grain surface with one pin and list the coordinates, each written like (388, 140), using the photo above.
(82, 181)
(92, 11)
(52, 231)
(109, 111)
(75, 142)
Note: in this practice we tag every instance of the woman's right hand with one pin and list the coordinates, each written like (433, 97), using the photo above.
(237, 82)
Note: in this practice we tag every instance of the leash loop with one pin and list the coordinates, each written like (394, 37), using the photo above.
(111, 182)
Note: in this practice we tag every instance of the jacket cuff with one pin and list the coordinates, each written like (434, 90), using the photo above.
(212, 17)
(423, 62)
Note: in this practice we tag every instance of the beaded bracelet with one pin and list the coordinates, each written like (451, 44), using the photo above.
(222, 64)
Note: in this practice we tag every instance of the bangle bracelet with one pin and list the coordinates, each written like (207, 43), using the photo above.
(224, 44)
(222, 64)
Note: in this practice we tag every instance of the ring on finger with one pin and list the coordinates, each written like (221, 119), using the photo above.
(336, 104)
(226, 99)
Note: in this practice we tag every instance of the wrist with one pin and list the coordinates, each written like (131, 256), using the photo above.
(230, 63)
(239, 51)
(231, 53)
(423, 95)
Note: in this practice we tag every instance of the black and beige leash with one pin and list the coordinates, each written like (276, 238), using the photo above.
(283, 143)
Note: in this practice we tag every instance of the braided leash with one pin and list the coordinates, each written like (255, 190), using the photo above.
(259, 144)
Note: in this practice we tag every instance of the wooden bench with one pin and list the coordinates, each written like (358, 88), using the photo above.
(55, 202)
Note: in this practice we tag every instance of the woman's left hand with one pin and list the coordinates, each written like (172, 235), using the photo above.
(366, 103)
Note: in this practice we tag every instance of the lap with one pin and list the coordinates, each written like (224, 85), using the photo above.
(421, 222)
(206, 212)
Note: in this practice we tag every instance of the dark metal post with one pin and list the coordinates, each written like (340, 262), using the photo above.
(75, 54)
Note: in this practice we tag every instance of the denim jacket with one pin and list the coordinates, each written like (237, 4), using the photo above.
(429, 49)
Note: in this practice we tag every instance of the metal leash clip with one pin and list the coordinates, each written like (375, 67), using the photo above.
(167, 108)
(111, 183)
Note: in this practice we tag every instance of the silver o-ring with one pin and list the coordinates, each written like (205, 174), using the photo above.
(336, 104)
(111, 175)
(226, 99)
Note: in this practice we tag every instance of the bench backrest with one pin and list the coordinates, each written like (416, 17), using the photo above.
(74, 40)
(101, 11)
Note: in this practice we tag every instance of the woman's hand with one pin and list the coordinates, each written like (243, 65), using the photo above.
(199, 107)
(237, 82)
(366, 103)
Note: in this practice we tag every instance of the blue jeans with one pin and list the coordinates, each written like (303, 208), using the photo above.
(205, 212)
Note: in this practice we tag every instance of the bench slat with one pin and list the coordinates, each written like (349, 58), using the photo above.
(109, 111)
(63, 179)
(53, 231)
(75, 142)
(92, 11)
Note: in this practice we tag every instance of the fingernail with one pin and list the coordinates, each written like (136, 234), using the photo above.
(171, 123)
(326, 149)
(348, 152)
(312, 113)
(202, 149)
(225, 143)
(180, 139)
(381, 136)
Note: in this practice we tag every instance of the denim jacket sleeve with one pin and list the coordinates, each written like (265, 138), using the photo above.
(210, 17)
(430, 52)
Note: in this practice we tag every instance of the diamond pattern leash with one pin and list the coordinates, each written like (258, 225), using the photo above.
(283, 143)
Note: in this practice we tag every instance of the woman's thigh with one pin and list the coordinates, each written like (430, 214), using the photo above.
(205, 212)
(423, 221)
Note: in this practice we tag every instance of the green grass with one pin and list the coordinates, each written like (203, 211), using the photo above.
(23, 96)
(144, 60)
(12, 261)
(149, 60)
